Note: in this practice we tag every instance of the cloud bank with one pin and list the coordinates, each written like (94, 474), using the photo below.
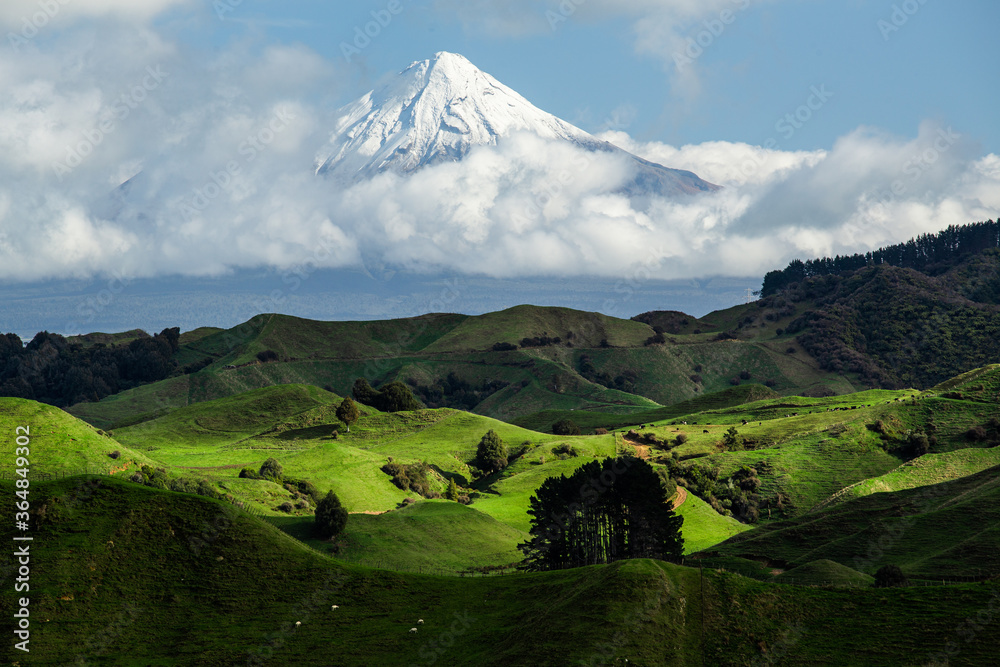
(124, 154)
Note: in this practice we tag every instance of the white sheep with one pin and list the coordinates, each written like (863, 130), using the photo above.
(298, 623)
(420, 621)
(413, 631)
(335, 607)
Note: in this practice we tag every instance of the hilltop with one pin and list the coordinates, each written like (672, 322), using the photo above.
(507, 365)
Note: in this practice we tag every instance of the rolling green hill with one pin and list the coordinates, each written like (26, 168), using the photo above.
(60, 443)
(824, 573)
(431, 535)
(180, 579)
(938, 531)
(926, 470)
(599, 363)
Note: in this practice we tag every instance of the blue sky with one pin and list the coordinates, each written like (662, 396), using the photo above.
(941, 63)
(832, 127)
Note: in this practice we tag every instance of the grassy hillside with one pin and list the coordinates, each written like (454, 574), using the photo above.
(938, 531)
(824, 573)
(60, 443)
(600, 363)
(431, 535)
(588, 419)
(226, 420)
(923, 471)
(186, 580)
(704, 527)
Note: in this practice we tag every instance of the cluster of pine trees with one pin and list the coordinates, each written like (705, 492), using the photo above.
(927, 253)
(604, 512)
(53, 370)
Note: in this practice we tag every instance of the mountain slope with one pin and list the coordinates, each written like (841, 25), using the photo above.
(439, 109)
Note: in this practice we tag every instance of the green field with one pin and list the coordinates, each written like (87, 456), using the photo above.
(205, 584)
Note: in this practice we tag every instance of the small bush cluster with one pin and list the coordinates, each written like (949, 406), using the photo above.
(390, 397)
(565, 427)
(540, 341)
(565, 451)
(267, 356)
(412, 477)
(157, 479)
(737, 495)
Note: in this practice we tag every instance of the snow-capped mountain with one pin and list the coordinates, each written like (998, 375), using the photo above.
(439, 109)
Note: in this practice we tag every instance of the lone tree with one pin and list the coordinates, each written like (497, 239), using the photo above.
(605, 511)
(492, 452)
(271, 470)
(565, 427)
(348, 412)
(331, 517)
(452, 492)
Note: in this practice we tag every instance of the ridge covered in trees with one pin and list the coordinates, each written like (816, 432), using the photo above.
(54, 370)
(928, 253)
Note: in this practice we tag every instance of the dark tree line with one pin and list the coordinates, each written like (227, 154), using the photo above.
(604, 512)
(627, 380)
(454, 392)
(927, 253)
(390, 397)
(53, 370)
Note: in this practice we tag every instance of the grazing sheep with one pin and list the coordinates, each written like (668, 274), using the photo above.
(413, 631)
(704, 430)
(335, 607)
(420, 621)
(298, 623)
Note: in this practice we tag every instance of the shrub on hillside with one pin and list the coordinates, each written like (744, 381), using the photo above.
(976, 434)
(491, 454)
(115, 454)
(503, 347)
(565, 451)
(600, 431)
(889, 576)
(266, 356)
(680, 439)
(391, 397)
(411, 477)
(249, 473)
(657, 339)
(565, 427)
(331, 517)
(271, 470)
(285, 507)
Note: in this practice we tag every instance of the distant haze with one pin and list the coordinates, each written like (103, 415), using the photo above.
(74, 307)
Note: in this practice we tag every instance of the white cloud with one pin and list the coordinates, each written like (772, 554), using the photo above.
(30, 16)
(225, 148)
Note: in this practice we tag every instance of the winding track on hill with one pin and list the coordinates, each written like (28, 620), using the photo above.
(682, 495)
